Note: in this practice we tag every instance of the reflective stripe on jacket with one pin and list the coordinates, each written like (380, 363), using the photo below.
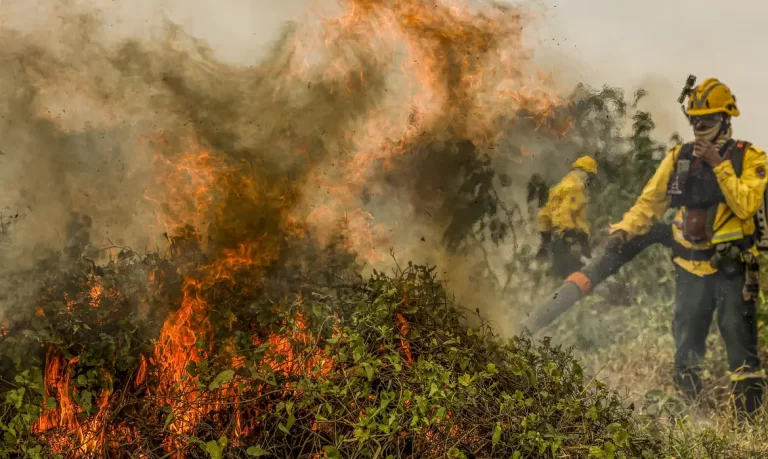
(734, 218)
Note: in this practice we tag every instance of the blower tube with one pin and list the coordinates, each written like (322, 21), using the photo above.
(580, 283)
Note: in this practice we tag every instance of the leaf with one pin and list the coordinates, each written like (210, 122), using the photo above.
(621, 437)
(655, 395)
(222, 378)
(216, 449)
(256, 451)
(82, 380)
(283, 429)
(15, 397)
(496, 434)
(168, 420)
(368, 371)
(465, 380)
(332, 452)
(34, 453)
(454, 453)
(595, 452)
(86, 399)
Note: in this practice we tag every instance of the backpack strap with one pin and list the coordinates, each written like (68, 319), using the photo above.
(685, 150)
(736, 152)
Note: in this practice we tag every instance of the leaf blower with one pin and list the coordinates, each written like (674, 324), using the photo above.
(580, 283)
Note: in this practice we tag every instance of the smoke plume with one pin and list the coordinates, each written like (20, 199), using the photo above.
(394, 123)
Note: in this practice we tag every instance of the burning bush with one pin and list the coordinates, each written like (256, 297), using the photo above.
(384, 366)
(247, 340)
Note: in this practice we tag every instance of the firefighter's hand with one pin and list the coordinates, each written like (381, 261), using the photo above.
(616, 241)
(708, 152)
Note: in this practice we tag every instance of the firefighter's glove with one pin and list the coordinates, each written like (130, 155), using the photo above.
(616, 241)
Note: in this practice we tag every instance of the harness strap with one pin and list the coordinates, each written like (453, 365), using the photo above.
(678, 251)
(737, 161)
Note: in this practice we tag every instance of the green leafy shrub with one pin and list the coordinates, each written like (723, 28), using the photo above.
(334, 373)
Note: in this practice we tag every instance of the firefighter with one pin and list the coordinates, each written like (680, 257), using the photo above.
(563, 220)
(715, 185)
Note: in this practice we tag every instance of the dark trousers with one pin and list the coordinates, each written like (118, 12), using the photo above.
(696, 301)
(564, 262)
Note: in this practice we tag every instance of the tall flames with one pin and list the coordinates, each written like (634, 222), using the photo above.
(460, 75)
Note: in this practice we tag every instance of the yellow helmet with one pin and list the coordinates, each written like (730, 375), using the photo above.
(586, 164)
(711, 96)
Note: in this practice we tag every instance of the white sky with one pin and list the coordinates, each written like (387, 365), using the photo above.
(660, 42)
(656, 43)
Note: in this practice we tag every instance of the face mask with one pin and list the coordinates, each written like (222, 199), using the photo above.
(707, 127)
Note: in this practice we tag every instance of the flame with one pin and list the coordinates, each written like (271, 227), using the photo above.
(284, 359)
(141, 374)
(403, 326)
(198, 181)
(90, 433)
(461, 75)
(464, 75)
(95, 295)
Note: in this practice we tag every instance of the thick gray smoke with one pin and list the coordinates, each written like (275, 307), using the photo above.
(395, 121)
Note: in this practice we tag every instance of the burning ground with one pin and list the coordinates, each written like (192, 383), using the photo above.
(187, 279)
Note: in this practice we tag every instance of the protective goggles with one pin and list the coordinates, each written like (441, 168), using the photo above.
(704, 122)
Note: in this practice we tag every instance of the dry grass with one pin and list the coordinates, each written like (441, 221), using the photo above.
(631, 349)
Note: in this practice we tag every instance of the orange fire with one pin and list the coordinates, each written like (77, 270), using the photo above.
(89, 433)
(460, 76)
(176, 348)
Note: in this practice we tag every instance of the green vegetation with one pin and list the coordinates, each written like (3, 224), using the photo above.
(455, 389)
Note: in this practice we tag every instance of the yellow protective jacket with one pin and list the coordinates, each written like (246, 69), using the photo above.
(566, 207)
(734, 218)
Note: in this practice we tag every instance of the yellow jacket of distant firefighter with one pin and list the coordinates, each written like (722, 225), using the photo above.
(566, 208)
(733, 218)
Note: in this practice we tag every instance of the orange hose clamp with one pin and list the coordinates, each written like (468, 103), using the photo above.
(581, 281)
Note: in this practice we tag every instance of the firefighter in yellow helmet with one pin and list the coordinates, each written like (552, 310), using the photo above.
(716, 185)
(563, 219)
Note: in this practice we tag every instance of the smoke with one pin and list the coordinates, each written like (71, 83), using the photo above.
(394, 123)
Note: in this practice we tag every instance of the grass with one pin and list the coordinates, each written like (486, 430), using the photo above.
(628, 345)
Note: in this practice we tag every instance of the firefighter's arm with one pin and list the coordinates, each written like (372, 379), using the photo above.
(744, 195)
(652, 202)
